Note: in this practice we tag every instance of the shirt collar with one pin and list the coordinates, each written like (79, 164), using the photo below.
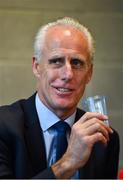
(47, 118)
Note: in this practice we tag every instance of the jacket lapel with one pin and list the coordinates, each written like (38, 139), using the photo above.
(79, 114)
(34, 135)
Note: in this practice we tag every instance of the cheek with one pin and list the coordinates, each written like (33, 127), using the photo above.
(81, 80)
(48, 76)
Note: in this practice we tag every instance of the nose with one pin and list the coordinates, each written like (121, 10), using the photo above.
(67, 72)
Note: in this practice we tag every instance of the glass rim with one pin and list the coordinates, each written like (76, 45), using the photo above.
(96, 97)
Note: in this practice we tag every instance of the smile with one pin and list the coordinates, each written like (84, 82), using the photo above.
(64, 89)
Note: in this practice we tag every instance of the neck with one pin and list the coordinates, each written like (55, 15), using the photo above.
(62, 113)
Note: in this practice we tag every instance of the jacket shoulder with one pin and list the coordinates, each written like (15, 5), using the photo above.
(10, 111)
(11, 119)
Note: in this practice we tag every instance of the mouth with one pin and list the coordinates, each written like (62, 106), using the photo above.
(63, 91)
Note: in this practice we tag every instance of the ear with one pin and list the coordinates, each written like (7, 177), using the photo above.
(89, 75)
(35, 67)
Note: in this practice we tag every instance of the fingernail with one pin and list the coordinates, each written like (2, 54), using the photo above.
(105, 116)
(111, 130)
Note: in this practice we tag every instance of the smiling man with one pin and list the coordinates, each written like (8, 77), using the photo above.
(63, 65)
(63, 70)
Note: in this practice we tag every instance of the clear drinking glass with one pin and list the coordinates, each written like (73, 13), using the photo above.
(95, 104)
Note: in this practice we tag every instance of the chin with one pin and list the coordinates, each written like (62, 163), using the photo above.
(64, 106)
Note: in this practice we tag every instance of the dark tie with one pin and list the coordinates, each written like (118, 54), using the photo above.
(61, 128)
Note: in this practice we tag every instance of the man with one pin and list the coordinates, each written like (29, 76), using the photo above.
(62, 64)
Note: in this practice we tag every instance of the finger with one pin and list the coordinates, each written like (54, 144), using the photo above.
(98, 122)
(94, 120)
(90, 115)
(97, 137)
(97, 127)
(109, 129)
(89, 122)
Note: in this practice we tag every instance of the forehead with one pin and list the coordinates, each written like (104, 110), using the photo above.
(67, 32)
(66, 37)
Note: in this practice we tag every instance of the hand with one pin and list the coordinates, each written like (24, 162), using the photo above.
(84, 134)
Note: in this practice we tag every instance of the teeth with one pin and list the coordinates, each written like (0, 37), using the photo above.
(63, 90)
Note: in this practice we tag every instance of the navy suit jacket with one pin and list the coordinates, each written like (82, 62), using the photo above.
(22, 149)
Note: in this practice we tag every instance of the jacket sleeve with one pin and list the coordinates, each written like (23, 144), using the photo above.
(5, 160)
(46, 174)
(112, 156)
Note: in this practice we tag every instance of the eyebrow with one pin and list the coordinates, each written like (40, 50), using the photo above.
(50, 60)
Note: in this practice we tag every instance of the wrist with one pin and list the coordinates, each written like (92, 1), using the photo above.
(63, 168)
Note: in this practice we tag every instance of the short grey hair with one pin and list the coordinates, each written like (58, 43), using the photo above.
(40, 36)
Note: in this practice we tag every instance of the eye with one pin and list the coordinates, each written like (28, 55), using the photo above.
(56, 61)
(77, 63)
